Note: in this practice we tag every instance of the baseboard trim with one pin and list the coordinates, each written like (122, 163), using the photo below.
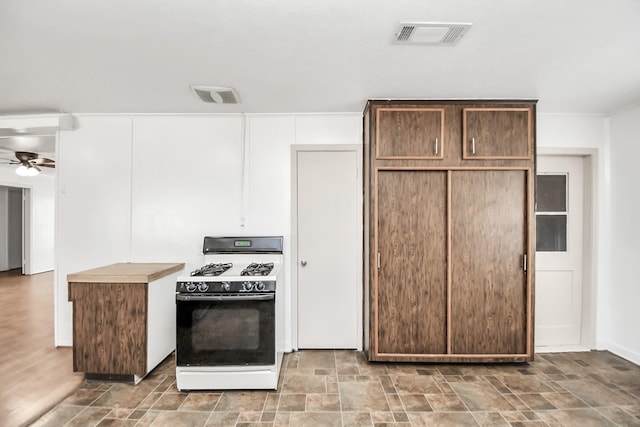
(625, 353)
(561, 348)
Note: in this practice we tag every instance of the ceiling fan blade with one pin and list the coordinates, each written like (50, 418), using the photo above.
(25, 156)
(47, 165)
(43, 161)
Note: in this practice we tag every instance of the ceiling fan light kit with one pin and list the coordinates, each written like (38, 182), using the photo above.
(29, 170)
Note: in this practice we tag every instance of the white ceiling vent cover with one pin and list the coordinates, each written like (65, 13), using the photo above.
(216, 94)
(431, 33)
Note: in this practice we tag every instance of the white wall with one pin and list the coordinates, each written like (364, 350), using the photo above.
(42, 190)
(93, 215)
(571, 131)
(185, 183)
(149, 188)
(624, 296)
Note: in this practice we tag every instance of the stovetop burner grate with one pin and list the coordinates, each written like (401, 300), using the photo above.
(257, 269)
(212, 269)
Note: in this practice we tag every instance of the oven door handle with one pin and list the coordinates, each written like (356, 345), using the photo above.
(258, 297)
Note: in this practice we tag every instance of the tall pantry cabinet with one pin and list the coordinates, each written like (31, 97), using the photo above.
(449, 230)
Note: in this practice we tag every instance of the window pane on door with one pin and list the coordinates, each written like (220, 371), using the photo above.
(551, 233)
(551, 212)
(551, 193)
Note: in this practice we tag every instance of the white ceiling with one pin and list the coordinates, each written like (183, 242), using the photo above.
(140, 56)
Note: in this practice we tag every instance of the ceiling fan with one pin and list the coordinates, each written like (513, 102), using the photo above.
(30, 163)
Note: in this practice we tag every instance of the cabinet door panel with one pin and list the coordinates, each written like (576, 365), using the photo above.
(488, 290)
(497, 133)
(411, 287)
(410, 133)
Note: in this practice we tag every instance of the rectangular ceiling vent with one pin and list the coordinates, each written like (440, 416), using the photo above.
(216, 94)
(431, 33)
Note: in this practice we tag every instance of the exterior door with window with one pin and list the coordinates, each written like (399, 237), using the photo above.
(559, 241)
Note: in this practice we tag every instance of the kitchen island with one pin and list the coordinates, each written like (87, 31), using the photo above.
(123, 319)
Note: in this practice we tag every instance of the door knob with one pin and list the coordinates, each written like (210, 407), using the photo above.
(303, 263)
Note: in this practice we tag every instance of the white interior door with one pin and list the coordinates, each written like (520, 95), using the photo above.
(559, 254)
(329, 249)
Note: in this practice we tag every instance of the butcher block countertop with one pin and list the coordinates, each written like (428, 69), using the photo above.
(126, 272)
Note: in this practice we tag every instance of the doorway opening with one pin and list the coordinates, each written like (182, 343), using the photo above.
(14, 228)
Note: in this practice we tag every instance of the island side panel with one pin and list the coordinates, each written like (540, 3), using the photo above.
(161, 321)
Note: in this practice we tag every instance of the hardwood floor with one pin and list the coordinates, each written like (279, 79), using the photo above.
(35, 374)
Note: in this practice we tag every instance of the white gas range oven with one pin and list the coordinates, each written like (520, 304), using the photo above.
(229, 316)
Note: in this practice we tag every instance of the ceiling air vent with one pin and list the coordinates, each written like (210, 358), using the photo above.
(216, 94)
(431, 33)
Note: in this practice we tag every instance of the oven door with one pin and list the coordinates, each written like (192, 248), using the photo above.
(225, 330)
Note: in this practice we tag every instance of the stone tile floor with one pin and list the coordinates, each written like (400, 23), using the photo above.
(339, 388)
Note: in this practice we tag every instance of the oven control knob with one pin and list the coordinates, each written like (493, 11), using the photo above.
(226, 286)
(247, 286)
(259, 286)
(203, 287)
(191, 287)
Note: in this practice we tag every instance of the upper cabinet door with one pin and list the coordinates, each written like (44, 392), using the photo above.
(497, 133)
(409, 133)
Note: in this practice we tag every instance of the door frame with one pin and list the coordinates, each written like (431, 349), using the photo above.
(295, 149)
(26, 230)
(590, 253)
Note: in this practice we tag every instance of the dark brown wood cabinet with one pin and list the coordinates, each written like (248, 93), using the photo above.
(410, 133)
(488, 281)
(497, 133)
(449, 239)
(412, 227)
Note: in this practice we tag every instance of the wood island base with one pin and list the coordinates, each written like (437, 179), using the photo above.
(123, 319)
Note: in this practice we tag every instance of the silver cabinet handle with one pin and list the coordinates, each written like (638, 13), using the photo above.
(473, 146)
(303, 263)
(436, 146)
